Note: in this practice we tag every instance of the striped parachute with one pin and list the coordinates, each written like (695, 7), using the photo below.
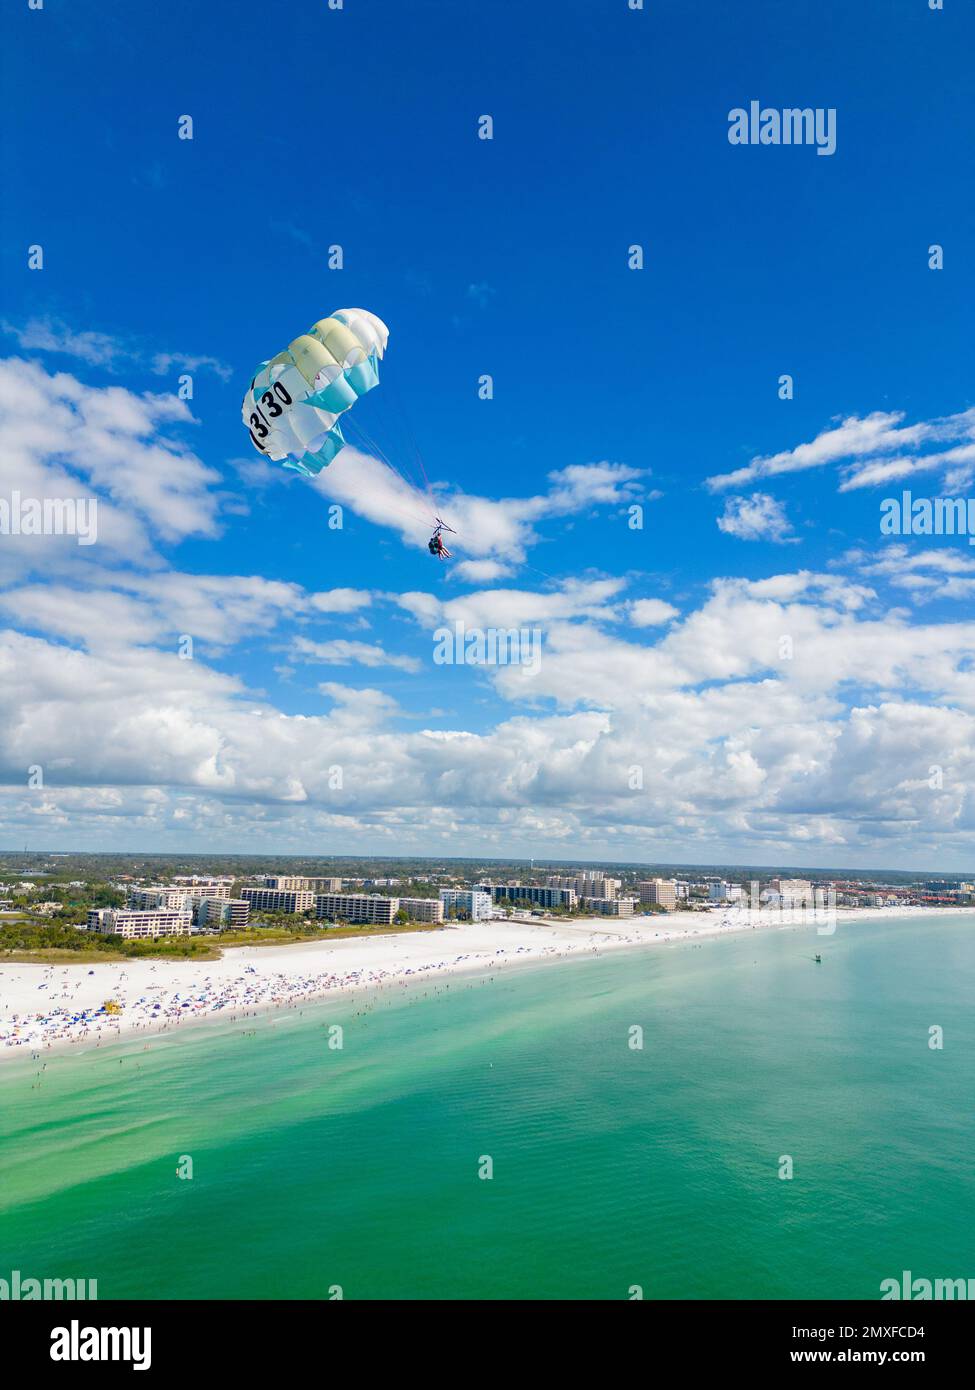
(292, 406)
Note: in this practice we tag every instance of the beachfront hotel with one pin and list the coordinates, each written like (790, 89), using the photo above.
(475, 903)
(659, 892)
(531, 894)
(587, 884)
(131, 922)
(422, 909)
(278, 899)
(357, 907)
(231, 914)
(609, 907)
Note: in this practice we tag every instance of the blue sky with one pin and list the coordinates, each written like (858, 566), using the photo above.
(359, 127)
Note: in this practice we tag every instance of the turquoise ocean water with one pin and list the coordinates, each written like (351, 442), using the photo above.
(612, 1167)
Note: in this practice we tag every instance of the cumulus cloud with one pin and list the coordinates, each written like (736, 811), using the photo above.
(650, 612)
(927, 573)
(499, 530)
(63, 439)
(759, 517)
(122, 608)
(779, 715)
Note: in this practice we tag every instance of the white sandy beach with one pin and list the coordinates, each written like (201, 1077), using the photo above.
(46, 1006)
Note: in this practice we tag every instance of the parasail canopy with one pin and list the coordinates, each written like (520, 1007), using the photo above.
(292, 407)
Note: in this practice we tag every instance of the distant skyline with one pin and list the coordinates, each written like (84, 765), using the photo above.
(756, 675)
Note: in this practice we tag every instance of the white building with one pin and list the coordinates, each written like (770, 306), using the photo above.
(198, 884)
(793, 890)
(609, 907)
(128, 922)
(725, 892)
(356, 907)
(223, 913)
(471, 901)
(278, 899)
(158, 896)
(422, 909)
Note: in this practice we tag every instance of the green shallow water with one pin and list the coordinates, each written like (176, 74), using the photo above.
(612, 1167)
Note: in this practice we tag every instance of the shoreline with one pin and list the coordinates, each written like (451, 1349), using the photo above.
(53, 1007)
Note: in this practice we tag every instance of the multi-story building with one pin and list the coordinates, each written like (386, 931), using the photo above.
(609, 907)
(473, 902)
(123, 921)
(157, 896)
(792, 890)
(658, 892)
(588, 883)
(323, 885)
(224, 913)
(725, 892)
(286, 883)
(422, 909)
(278, 899)
(533, 894)
(198, 884)
(355, 907)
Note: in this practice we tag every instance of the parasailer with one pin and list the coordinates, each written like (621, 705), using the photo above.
(435, 544)
(293, 404)
(292, 407)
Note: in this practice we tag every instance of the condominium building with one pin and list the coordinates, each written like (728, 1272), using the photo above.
(225, 913)
(355, 907)
(659, 892)
(724, 892)
(472, 902)
(793, 890)
(286, 883)
(422, 909)
(123, 921)
(609, 907)
(158, 896)
(278, 899)
(533, 894)
(323, 885)
(199, 884)
(587, 884)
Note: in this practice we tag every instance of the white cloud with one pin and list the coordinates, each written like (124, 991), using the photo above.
(500, 530)
(65, 439)
(52, 335)
(858, 440)
(823, 743)
(651, 612)
(49, 334)
(342, 652)
(759, 517)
